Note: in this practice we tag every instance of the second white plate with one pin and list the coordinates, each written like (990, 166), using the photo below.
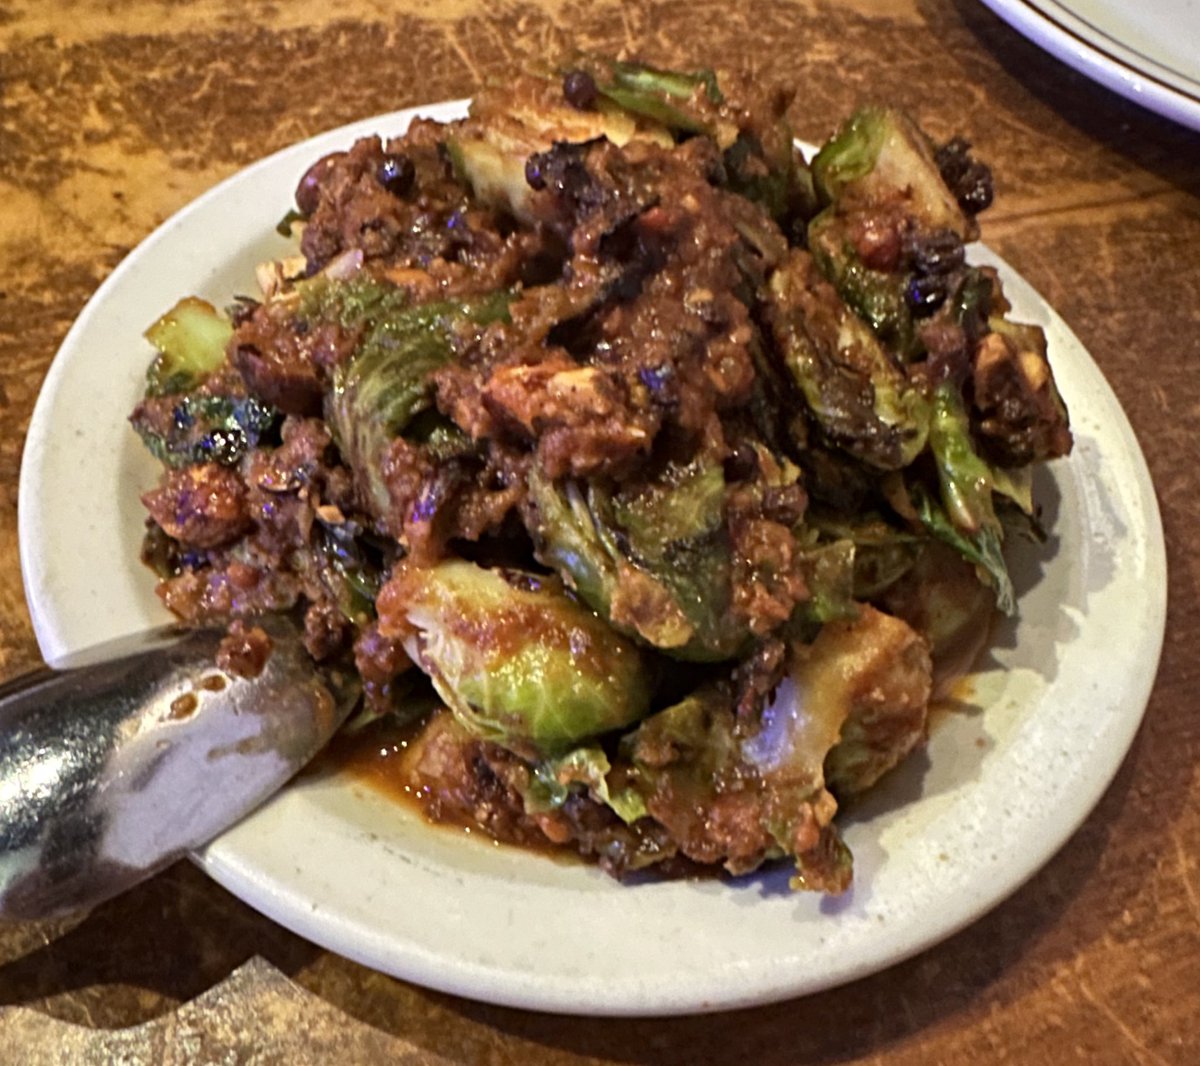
(1147, 52)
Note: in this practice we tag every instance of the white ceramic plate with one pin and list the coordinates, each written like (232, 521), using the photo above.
(1147, 51)
(942, 840)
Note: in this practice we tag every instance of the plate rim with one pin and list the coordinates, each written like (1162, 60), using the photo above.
(502, 986)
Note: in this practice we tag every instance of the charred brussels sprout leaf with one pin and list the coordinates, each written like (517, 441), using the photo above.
(516, 659)
(854, 391)
(674, 83)
(191, 340)
(982, 547)
(779, 180)
(881, 155)
(655, 563)
(663, 96)
(351, 569)
(284, 226)
(385, 385)
(583, 769)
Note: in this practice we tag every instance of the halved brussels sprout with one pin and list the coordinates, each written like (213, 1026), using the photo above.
(735, 794)
(589, 97)
(655, 563)
(892, 232)
(528, 115)
(942, 599)
(735, 791)
(385, 385)
(515, 658)
(877, 672)
(855, 392)
(879, 155)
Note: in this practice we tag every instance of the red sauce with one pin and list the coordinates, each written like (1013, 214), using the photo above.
(380, 756)
(383, 756)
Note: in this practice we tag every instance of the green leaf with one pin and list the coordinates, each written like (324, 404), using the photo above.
(966, 480)
(655, 563)
(386, 384)
(670, 82)
(983, 547)
(191, 340)
(587, 767)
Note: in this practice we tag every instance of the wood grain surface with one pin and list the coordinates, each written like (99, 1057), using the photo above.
(114, 115)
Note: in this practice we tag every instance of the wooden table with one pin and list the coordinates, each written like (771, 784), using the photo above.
(114, 116)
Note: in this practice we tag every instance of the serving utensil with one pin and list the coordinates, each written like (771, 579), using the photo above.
(110, 771)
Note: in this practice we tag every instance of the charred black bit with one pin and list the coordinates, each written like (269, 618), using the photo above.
(968, 178)
(533, 172)
(925, 294)
(396, 173)
(579, 87)
(939, 252)
(564, 171)
(241, 309)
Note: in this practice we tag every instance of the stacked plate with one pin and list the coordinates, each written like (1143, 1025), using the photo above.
(1148, 52)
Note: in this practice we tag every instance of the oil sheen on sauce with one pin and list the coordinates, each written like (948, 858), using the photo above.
(383, 756)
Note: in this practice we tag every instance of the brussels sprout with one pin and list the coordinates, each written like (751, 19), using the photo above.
(1020, 414)
(891, 235)
(879, 297)
(762, 164)
(510, 123)
(191, 340)
(655, 563)
(699, 773)
(589, 98)
(942, 598)
(854, 391)
(877, 671)
(516, 659)
(881, 155)
(379, 392)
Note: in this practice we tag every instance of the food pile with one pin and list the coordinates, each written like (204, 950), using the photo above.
(672, 462)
